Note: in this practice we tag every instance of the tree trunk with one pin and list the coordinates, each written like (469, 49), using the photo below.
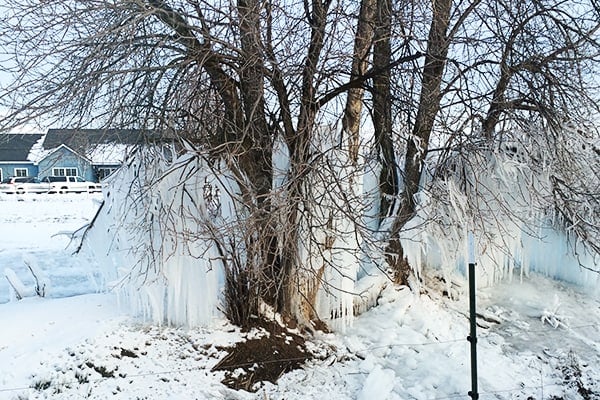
(256, 160)
(418, 144)
(297, 280)
(360, 61)
(382, 108)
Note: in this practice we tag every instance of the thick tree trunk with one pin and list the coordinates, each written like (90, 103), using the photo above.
(256, 160)
(257, 141)
(418, 144)
(382, 108)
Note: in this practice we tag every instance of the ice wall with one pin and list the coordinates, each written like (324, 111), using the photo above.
(510, 208)
(153, 238)
(329, 243)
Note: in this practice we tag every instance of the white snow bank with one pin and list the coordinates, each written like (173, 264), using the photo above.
(378, 385)
(36, 330)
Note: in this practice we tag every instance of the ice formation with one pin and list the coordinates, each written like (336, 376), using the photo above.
(152, 234)
(168, 222)
(508, 198)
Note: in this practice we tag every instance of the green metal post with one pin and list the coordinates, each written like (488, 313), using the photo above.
(472, 338)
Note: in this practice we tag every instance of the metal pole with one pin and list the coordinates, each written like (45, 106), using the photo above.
(472, 338)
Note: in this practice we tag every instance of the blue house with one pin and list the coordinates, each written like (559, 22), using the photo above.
(64, 161)
(16, 154)
(92, 154)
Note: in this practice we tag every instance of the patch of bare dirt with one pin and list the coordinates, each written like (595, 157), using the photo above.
(263, 359)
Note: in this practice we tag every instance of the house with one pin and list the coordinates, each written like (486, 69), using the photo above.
(16, 153)
(64, 161)
(92, 154)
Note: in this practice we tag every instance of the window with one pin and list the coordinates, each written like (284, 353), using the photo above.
(64, 171)
(21, 172)
(51, 179)
(103, 172)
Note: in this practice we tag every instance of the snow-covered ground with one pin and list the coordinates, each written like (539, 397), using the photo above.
(34, 227)
(538, 338)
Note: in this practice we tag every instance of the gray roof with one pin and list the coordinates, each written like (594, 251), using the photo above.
(82, 140)
(16, 146)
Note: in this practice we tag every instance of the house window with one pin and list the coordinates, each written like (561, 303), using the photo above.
(21, 171)
(64, 171)
(103, 172)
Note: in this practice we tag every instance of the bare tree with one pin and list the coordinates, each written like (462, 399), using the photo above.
(227, 78)
(491, 67)
(230, 80)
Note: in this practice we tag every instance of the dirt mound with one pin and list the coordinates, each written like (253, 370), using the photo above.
(261, 359)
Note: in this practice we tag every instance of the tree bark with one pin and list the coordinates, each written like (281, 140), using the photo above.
(382, 108)
(257, 141)
(418, 144)
(360, 62)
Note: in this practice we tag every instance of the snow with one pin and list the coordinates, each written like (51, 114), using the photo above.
(538, 337)
(37, 151)
(109, 154)
(29, 232)
(99, 154)
(378, 385)
(37, 331)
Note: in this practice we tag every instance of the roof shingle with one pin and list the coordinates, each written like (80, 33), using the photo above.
(17, 146)
(82, 140)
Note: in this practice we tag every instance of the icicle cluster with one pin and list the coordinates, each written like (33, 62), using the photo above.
(337, 272)
(528, 202)
(168, 226)
(154, 235)
(328, 240)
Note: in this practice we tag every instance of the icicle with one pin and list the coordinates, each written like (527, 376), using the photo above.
(154, 245)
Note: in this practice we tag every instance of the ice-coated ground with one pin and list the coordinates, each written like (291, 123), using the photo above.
(538, 338)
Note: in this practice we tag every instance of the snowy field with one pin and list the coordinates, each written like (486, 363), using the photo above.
(34, 227)
(538, 339)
